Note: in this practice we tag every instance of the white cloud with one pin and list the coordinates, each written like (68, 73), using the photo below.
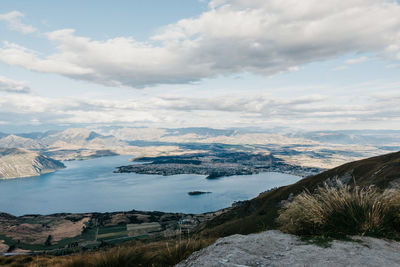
(357, 60)
(231, 110)
(14, 23)
(216, 3)
(260, 103)
(12, 86)
(340, 68)
(233, 36)
(392, 66)
(14, 54)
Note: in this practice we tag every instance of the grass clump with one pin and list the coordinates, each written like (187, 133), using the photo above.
(180, 249)
(341, 210)
(159, 253)
(114, 257)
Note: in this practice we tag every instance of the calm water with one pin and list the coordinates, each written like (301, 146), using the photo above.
(91, 185)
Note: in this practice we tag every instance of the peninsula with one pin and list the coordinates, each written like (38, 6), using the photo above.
(215, 164)
(17, 163)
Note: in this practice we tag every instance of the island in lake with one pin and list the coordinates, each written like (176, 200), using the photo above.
(197, 193)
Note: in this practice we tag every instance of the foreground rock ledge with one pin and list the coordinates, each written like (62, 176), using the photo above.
(274, 248)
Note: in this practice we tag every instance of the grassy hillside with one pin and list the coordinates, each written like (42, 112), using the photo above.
(260, 213)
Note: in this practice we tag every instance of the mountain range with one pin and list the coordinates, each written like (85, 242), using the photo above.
(322, 150)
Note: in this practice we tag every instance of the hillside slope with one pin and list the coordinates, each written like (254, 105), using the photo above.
(260, 213)
(15, 163)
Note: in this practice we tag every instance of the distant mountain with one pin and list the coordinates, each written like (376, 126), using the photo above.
(135, 133)
(260, 213)
(16, 163)
(360, 137)
(14, 141)
(156, 134)
(75, 136)
(82, 138)
(36, 135)
(321, 149)
(202, 131)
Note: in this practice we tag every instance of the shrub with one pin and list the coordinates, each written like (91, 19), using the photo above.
(343, 210)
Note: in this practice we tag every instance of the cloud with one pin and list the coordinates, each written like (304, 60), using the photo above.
(14, 54)
(357, 60)
(233, 36)
(14, 23)
(231, 110)
(340, 68)
(261, 103)
(12, 86)
(392, 66)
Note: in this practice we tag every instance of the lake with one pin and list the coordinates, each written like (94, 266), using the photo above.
(91, 186)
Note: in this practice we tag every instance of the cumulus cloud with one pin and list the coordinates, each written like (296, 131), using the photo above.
(12, 86)
(13, 20)
(14, 54)
(233, 36)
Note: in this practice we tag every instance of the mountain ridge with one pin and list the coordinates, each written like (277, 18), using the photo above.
(261, 212)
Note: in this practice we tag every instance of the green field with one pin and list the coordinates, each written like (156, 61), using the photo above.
(112, 229)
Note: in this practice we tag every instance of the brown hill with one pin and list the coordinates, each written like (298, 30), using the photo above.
(260, 213)
(16, 163)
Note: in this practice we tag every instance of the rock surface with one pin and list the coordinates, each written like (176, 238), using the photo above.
(274, 248)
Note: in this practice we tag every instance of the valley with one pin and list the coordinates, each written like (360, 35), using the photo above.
(132, 164)
(67, 233)
(63, 233)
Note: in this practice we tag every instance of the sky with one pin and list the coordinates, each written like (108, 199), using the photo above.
(310, 65)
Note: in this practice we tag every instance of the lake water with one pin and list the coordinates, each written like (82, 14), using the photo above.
(91, 186)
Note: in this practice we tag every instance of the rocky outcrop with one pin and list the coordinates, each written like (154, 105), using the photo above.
(16, 163)
(274, 248)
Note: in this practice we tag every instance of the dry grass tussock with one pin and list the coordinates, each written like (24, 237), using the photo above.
(343, 210)
(163, 253)
(139, 253)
